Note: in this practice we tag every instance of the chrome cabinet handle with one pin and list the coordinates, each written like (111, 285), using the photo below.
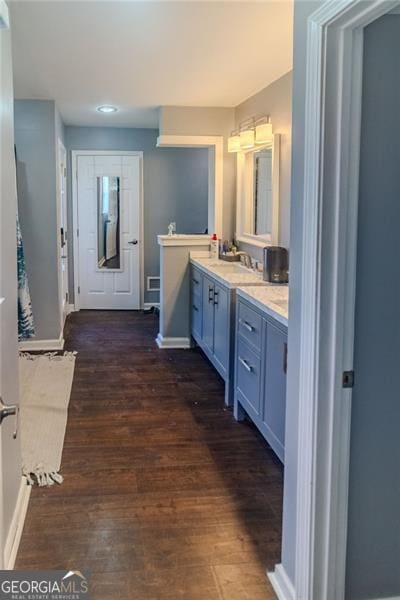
(210, 293)
(215, 297)
(246, 325)
(245, 364)
(133, 242)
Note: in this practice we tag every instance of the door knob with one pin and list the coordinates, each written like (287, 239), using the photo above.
(133, 242)
(7, 410)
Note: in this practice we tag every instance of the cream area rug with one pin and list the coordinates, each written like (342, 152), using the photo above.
(45, 388)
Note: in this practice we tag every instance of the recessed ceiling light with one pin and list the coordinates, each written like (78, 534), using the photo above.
(107, 109)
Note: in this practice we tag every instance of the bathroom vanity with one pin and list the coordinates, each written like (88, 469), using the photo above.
(261, 361)
(212, 307)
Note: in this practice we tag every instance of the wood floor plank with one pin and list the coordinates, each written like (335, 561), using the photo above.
(165, 496)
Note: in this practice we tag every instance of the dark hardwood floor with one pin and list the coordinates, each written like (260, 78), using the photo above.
(165, 496)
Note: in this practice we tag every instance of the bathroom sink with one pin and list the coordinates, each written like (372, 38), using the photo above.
(230, 268)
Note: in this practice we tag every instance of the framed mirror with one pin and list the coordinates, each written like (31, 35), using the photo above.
(257, 194)
(108, 223)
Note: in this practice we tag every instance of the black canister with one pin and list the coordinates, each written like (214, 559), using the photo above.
(276, 264)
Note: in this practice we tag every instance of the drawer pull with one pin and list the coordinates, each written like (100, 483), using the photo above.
(245, 364)
(195, 308)
(196, 281)
(210, 293)
(246, 325)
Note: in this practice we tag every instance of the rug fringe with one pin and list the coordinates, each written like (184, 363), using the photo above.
(50, 355)
(41, 477)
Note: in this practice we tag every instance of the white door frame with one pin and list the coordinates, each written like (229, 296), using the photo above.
(61, 150)
(215, 145)
(332, 143)
(75, 154)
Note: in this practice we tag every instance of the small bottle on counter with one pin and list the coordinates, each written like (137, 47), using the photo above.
(214, 250)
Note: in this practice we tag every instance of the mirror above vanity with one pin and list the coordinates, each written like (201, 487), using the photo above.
(257, 185)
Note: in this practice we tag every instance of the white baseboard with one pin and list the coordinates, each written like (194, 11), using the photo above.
(70, 309)
(46, 345)
(17, 525)
(172, 342)
(281, 583)
(147, 305)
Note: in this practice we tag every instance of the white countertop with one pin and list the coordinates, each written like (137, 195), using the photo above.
(272, 300)
(229, 274)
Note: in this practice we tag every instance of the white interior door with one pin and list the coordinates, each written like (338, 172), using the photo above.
(109, 225)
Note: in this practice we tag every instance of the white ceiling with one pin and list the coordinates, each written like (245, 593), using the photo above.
(141, 55)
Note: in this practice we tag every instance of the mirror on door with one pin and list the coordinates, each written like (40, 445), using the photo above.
(108, 223)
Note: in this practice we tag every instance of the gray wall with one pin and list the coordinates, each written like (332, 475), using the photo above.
(373, 552)
(35, 137)
(274, 100)
(10, 451)
(175, 185)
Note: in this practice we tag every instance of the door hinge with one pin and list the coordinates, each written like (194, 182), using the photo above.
(79, 289)
(348, 379)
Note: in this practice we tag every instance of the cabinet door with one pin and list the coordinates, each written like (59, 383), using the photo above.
(208, 313)
(221, 326)
(274, 404)
(196, 300)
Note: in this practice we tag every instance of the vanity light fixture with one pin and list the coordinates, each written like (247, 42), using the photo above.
(247, 135)
(234, 142)
(107, 109)
(263, 130)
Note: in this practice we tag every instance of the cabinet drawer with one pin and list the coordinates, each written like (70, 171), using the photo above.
(196, 282)
(250, 325)
(248, 375)
(196, 320)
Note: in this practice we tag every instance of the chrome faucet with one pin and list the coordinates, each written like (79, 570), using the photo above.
(246, 258)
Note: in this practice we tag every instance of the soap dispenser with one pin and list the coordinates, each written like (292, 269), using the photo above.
(214, 246)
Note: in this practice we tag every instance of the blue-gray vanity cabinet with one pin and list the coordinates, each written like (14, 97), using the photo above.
(260, 373)
(213, 328)
(196, 308)
(274, 394)
(221, 328)
(208, 314)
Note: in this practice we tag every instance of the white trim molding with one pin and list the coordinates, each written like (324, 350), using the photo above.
(17, 525)
(281, 583)
(148, 305)
(332, 144)
(42, 345)
(215, 145)
(183, 240)
(173, 342)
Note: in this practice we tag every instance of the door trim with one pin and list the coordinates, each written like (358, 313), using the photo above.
(74, 156)
(61, 149)
(17, 525)
(332, 144)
